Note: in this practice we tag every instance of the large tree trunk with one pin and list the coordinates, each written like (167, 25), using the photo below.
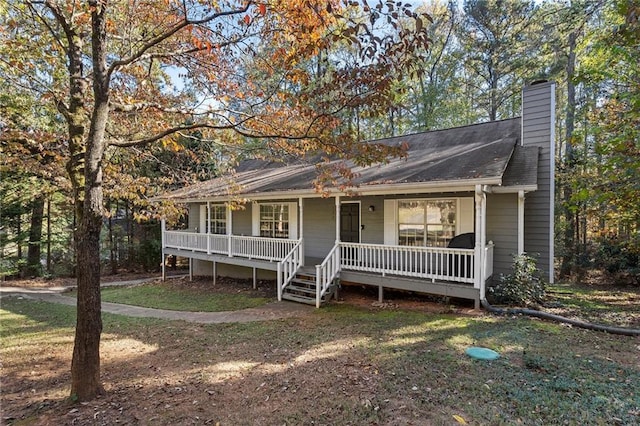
(85, 365)
(34, 268)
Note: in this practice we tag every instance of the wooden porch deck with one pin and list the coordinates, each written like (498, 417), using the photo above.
(438, 271)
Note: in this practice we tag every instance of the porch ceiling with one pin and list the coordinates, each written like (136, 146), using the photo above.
(482, 153)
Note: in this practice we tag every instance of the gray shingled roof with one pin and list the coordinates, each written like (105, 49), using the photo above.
(488, 152)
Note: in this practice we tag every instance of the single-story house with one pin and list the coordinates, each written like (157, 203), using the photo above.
(444, 220)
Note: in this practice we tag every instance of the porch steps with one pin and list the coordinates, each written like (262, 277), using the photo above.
(302, 289)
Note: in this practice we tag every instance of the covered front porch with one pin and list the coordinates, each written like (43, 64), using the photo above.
(317, 243)
(303, 275)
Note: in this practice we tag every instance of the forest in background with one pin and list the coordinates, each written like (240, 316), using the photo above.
(480, 55)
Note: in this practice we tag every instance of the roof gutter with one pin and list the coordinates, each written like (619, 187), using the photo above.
(467, 185)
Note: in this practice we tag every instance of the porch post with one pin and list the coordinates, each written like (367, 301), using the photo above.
(301, 234)
(520, 222)
(255, 279)
(229, 229)
(190, 269)
(279, 281)
(215, 273)
(483, 243)
(481, 240)
(478, 281)
(163, 227)
(207, 227)
(337, 219)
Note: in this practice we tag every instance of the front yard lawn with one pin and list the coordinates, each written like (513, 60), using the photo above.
(339, 365)
(183, 295)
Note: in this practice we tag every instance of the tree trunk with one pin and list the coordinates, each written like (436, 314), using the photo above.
(19, 235)
(569, 254)
(34, 268)
(85, 365)
(49, 235)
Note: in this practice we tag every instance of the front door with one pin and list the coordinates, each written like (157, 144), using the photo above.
(350, 222)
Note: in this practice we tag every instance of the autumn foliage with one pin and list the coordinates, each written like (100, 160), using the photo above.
(275, 76)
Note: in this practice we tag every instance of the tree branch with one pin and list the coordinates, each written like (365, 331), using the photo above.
(168, 34)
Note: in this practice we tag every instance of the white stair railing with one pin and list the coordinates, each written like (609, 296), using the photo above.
(288, 267)
(327, 272)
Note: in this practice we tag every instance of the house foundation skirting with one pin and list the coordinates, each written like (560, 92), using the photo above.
(230, 260)
(462, 291)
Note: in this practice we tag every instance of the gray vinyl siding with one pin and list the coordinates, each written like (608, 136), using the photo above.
(242, 220)
(502, 229)
(194, 216)
(319, 223)
(538, 121)
(373, 222)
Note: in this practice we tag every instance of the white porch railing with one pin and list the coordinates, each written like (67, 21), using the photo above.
(433, 263)
(272, 249)
(326, 272)
(288, 267)
(262, 248)
(185, 240)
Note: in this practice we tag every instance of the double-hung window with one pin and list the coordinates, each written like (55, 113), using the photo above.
(274, 220)
(430, 223)
(218, 219)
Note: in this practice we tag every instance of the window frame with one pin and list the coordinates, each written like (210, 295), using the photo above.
(292, 219)
(464, 220)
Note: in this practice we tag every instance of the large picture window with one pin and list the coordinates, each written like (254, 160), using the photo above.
(218, 219)
(274, 220)
(430, 223)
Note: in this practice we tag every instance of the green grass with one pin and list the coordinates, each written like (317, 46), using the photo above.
(160, 296)
(363, 366)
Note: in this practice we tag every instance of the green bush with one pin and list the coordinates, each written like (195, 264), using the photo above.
(523, 286)
(616, 254)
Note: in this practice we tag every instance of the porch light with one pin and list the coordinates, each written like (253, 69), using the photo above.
(372, 208)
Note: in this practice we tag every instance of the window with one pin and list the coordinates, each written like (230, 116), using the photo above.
(274, 220)
(429, 223)
(218, 219)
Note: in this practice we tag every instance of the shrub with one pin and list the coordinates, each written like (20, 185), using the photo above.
(523, 286)
(616, 254)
